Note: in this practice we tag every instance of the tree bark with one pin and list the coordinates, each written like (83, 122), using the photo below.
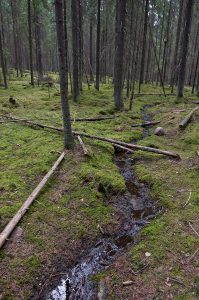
(3, 61)
(30, 42)
(144, 45)
(175, 57)
(91, 50)
(97, 81)
(119, 52)
(184, 47)
(68, 136)
(75, 49)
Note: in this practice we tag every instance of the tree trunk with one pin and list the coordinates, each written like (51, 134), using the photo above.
(97, 81)
(119, 52)
(65, 39)
(91, 50)
(75, 49)
(144, 45)
(3, 61)
(30, 43)
(38, 45)
(80, 40)
(184, 47)
(175, 57)
(68, 136)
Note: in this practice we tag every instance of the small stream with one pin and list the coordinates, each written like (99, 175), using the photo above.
(135, 208)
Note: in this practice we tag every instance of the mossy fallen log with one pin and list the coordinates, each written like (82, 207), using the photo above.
(112, 141)
(188, 118)
(21, 212)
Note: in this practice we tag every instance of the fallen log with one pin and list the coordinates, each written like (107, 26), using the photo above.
(32, 123)
(195, 102)
(188, 118)
(123, 148)
(18, 216)
(146, 124)
(92, 119)
(85, 150)
(151, 94)
(133, 146)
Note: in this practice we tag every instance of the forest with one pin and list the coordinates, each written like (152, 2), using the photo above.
(99, 149)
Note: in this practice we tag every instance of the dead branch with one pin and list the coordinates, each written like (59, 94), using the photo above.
(133, 146)
(18, 216)
(85, 150)
(146, 124)
(188, 118)
(123, 148)
(93, 119)
(150, 94)
(187, 202)
(194, 230)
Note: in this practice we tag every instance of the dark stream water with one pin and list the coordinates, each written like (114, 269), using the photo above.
(135, 208)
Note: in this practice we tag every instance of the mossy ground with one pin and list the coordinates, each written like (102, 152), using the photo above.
(64, 219)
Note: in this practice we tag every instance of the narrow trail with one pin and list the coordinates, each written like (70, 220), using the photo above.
(135, 208)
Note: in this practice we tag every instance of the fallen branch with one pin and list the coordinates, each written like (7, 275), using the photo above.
(123, 148)
(188, 118)
(85, 150)
(146, 124)
(193, 255)
(150, 94)
(187, 202)
(92, 119)
(18, 216)
(133, 146)
(195, 102)
(128, 283)
(191, 226)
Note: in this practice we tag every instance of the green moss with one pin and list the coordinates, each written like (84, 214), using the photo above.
(32, 262)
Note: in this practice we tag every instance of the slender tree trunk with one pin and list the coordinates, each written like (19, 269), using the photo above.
(195, 73)
(75, 47)
(91, 50)
(65, 38)
(144, 45)
(175, 57)
(3, 61)
(30, 42)
(38, 44)
(80, 40)
(119, 52)
(184, 47)
(13, 6)
(68, 136)
(193, 60)
(97, 81)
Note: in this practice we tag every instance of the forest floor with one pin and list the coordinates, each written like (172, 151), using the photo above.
(65, 219)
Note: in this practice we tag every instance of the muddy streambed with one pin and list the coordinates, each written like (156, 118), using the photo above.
(135, 208)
